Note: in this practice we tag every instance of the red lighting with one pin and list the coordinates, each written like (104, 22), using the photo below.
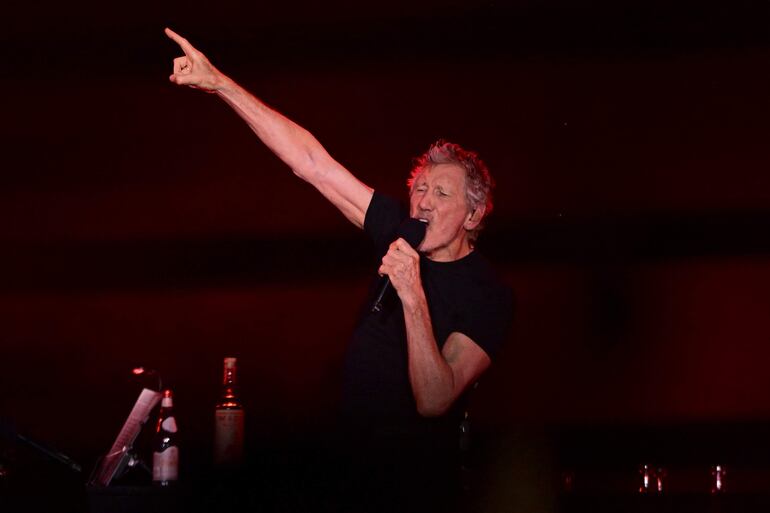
(138, 371)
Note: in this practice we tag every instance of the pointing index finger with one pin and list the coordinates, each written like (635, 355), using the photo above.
(182, 42)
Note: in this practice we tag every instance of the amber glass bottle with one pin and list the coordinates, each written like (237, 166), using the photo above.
(228, 420)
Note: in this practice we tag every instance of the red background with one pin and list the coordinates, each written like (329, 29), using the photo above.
(143, 224)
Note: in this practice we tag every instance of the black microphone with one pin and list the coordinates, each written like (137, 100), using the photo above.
(412, 231)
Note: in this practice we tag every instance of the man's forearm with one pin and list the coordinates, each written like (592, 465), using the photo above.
(294, 145)
(430, 375)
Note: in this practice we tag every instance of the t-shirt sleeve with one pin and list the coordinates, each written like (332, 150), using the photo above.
(382, 220)
(488, 317)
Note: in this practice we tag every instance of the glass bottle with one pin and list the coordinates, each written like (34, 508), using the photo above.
(165, 456)
(718, 479)
(228, 420)
(647, 476)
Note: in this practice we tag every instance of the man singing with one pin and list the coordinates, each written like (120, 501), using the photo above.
(408, 364)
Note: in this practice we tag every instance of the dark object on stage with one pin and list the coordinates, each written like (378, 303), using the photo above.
(139, 499)
(413, 232)
(7, 430)
(121, 454)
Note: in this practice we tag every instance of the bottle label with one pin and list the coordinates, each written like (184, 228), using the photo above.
(228, 437)
(165, 465)
(169, 425)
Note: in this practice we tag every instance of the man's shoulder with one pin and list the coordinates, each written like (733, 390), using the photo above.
(385, 204)
(383, 217)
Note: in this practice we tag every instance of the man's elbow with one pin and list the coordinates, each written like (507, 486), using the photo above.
(306, 168)
(309, 162)
(430, 409)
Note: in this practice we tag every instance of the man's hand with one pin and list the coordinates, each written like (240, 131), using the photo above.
(194, 69)
(402, 265)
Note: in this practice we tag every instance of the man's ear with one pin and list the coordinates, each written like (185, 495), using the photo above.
(474, 217)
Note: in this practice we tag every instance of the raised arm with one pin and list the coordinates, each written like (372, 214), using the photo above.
(294, 145)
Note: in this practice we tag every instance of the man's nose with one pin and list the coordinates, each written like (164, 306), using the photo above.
(425, 203)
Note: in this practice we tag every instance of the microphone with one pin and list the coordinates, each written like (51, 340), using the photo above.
(413, 232)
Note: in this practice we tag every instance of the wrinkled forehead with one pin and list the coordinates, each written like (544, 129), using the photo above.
(444, 175)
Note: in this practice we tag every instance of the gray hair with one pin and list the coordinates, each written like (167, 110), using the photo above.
(478, 181)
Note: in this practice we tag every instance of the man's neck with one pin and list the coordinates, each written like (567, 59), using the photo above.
(451, 253)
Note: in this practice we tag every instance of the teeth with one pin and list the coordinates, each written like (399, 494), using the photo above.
(423, 221)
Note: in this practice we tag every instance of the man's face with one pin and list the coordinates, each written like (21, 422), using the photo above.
(438, 198)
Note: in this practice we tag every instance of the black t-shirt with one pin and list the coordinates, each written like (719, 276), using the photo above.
(464, 296)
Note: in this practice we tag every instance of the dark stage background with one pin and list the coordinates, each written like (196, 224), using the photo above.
(144, 224)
